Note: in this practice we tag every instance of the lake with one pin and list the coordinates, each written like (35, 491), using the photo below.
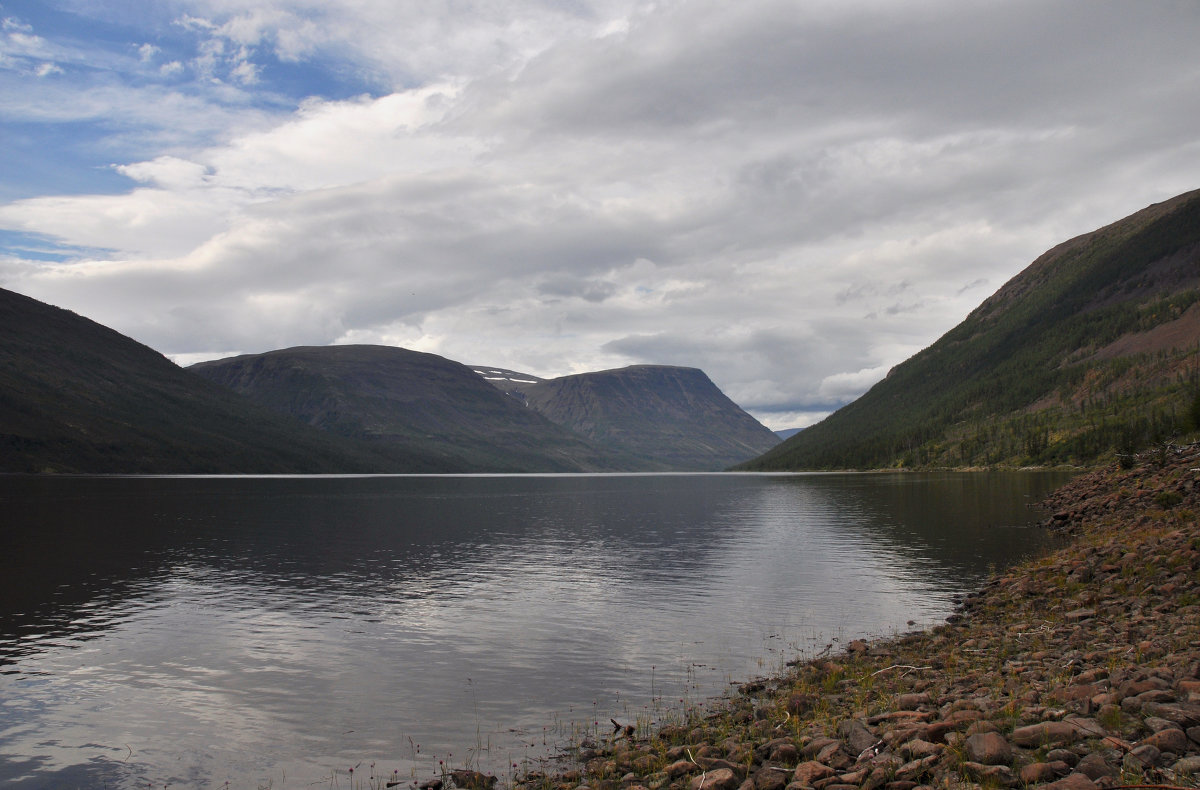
(279, 631)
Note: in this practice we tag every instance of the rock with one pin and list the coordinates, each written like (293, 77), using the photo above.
(1155, 724)
(770, 778)
(1063, 756)
(681, 768)
(1077, 692)
(917, 748)
(1094, 766)
(1188, 765)
(998, 774)
(878, 777)
(800, 704)
(856, 736)
(834, 755)
(784, 753)
(1047, 733)
(959, 718)
(720, 779)
(1037, 773)
(983, 725)
(989, 748)
(715, 763)
(912, 701)
(1075, 781)
(808, 773)
(644, 764)
(1184, 716)
(472, 780)
(816, 746)
(1142, 757)
(936, 732)
(1086, 727)
(1171, 739)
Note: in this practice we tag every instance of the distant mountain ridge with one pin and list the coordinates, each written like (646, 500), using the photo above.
(1093, 349)
(663, 414)
(76, 396)
(408, 402)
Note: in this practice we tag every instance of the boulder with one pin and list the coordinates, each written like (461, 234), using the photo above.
(719, 779)
(809, 773)
(472, 780)
(1094, 766)
(1038, 773)
(989, 748)
(992, 774)
(1047, 733)
(770, 778)
(1141, 757)
(1170, 739)
(856, 736)
(1075, 781)
(1188, 765)
(912, 701)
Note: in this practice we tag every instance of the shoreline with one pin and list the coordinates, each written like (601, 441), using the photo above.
(1076, 670)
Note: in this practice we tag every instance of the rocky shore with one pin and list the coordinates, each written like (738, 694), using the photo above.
(1078, 670)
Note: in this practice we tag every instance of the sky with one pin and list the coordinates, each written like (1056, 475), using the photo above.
(793, 196)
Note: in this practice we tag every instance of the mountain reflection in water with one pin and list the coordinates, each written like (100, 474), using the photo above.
(193, 631)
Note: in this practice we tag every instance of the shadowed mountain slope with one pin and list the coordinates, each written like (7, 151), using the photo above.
(76, 396)
(672, 416)
(1092, 349)
(402, 402)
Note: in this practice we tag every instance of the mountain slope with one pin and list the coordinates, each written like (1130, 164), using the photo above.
(672, 416)
(76, 396)
(1092, 348)
(403, 401)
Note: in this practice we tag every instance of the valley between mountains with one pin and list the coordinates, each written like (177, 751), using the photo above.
(1089, 354)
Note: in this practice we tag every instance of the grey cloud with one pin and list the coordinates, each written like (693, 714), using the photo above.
(718, 186)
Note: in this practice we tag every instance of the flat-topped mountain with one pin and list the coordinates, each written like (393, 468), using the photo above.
(400, 401)
(76, 396)
(1093, 349)
(669, 415)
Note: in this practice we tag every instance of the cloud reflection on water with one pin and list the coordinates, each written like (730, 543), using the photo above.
(241, 628)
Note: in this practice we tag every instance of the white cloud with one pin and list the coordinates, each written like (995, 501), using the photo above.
(793, 197)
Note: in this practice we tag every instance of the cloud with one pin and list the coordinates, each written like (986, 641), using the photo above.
(793, 197)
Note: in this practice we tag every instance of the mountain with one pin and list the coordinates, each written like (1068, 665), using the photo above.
(674, 417)
(403, 402)
(1092, 349)
(76, 396)
(510, 382)
(788, 433)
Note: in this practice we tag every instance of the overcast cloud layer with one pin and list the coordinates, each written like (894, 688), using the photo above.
(793, 196)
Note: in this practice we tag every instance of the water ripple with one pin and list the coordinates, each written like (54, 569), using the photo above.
(197, 631)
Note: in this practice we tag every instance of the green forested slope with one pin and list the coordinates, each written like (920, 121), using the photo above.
(1091, 350)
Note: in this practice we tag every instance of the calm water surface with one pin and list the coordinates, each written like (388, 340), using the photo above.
(193, 632)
